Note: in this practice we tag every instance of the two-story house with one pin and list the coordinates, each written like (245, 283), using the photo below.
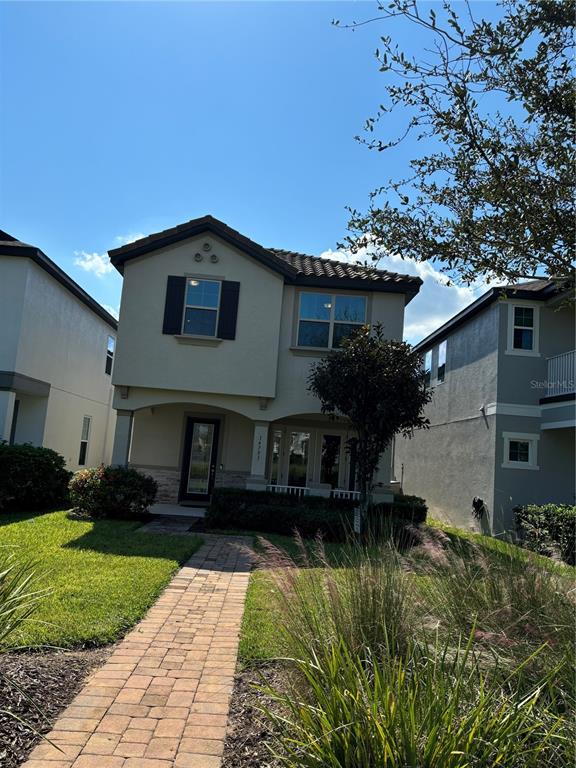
(216, 338)
(56, 355)
(503, 412)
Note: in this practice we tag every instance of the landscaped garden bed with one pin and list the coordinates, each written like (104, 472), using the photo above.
(36, 687)
(459, 652)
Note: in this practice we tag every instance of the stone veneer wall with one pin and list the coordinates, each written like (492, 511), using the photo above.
(169, 481)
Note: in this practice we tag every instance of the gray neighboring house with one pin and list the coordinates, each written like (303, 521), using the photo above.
(502, 417)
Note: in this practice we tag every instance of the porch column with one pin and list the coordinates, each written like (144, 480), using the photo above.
(257, 480)
(122, 438)
(7, 400)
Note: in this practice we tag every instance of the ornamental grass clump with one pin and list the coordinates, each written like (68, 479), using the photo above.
(512, 603)
(420, 660)
(364, 600)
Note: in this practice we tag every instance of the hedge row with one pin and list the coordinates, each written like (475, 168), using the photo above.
(32, 478)
(549, 529)
(233, 508)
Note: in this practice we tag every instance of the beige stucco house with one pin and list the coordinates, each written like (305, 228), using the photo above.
(215, 342)
(56, 356)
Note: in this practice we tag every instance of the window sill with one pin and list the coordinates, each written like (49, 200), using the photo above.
(200, 341)
(522, 352)
(311, 351)
(519, 465)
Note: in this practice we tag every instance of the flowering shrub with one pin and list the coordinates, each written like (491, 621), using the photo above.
(31, 478)
(111, 492)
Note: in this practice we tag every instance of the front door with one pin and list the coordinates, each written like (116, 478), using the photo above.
(199, 460)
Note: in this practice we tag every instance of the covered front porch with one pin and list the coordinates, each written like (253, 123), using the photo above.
(192, 449)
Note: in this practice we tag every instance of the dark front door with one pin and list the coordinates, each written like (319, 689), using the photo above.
(199, 460)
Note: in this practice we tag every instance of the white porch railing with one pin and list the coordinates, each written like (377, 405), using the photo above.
(337, 493)
(561, 374)
(289, 490)
(297, 490)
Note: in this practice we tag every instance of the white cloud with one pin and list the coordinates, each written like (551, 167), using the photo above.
(97, 263)
(131, 238)
(438, 300)
(114, 311)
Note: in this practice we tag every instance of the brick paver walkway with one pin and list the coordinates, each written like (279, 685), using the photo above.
(161, 700)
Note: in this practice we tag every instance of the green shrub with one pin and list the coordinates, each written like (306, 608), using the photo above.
(112, 492)
(435, 707)
(31, 478)
(549, 529)
(280, 513)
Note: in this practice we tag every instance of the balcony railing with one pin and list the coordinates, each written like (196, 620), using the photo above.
(561, 375)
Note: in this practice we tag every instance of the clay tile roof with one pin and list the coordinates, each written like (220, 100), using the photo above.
(319, 267)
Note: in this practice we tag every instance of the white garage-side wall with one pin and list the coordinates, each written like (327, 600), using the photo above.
(57, 339)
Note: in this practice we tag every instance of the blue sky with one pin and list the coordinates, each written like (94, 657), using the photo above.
(121, 119)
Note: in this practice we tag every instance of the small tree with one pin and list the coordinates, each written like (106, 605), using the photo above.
(378, 385)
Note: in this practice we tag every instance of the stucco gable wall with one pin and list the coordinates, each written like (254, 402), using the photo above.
(244, 366)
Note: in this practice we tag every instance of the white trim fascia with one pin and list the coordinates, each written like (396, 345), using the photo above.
(535, 351)
(513, 409)
(559, 404)
(559, 424)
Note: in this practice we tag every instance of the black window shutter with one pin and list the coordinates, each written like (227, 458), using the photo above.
(174, 305)
(228, 310)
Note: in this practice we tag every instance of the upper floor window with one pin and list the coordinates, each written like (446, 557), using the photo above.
(441, 375)
(325, 320)
(201, 307)
(522, 329)
(110, 347)
(523, 337)
(427, 366)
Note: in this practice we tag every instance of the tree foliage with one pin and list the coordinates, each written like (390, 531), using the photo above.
(492, 104)
(378, 385)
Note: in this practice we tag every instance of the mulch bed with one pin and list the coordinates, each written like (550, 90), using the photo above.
(248, 729)
(50, 679)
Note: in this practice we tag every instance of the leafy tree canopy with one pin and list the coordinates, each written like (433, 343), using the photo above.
(492, 104)
(378, 385)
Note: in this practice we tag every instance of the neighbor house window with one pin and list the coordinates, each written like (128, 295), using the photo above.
(325, 319)
(441, 375)
(520, 450)
(201, 306)
(523, 337)
(84, 439)
(110, 354)
(522, 330)
(427, 366)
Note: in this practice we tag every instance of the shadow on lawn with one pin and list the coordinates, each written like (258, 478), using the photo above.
(7, 518)
(122, 537)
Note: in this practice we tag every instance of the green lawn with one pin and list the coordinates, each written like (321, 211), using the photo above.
(102, 575)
